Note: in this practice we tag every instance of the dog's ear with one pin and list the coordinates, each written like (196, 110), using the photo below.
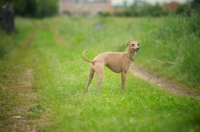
(128, 43)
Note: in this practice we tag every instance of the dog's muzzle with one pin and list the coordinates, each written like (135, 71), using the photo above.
(136, 49)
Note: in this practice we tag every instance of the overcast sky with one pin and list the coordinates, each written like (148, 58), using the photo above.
(120, 2)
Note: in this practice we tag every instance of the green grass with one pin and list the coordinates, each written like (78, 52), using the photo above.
(60, 78)
(172, 48)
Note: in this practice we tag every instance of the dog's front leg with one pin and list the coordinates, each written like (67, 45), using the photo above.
(123, 79)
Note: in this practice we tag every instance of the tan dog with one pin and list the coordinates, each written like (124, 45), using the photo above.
(118, 62)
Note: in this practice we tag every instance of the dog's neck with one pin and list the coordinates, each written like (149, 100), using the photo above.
(130, 54)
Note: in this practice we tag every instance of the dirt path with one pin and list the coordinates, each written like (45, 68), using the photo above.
(24, 97)
(24, 88)
(162, 83)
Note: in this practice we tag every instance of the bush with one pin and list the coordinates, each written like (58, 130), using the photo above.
(184, 10)
(104, 14)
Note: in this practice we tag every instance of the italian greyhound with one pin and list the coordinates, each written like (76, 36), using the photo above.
(118, 62)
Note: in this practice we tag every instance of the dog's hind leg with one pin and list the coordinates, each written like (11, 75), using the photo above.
(99, 70)
(90, 78)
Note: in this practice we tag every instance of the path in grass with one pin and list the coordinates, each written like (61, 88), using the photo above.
(18, 90)
(162, 83)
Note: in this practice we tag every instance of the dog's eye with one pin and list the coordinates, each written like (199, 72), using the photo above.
(133, 44)
(138, 44)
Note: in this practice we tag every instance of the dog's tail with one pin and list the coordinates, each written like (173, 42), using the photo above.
(86, 58)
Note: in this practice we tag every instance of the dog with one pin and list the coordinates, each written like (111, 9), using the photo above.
(118, 62)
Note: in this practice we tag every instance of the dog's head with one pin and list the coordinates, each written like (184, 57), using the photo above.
(133, 45)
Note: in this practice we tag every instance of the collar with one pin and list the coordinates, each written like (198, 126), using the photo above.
(127, 55)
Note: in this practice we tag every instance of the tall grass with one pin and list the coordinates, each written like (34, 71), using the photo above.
(172, 49)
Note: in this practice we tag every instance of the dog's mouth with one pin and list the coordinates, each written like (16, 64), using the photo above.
(136, 50)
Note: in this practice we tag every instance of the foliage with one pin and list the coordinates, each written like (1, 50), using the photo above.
(141, 8)
(104, 14)
(195, 4)
(25, 7)
(184, 10)
(35, 8)
(154, 11)
(46, 8)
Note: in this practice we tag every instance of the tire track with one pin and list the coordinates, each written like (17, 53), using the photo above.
(25, 97)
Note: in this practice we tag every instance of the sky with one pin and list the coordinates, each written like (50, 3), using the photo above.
(120, 2)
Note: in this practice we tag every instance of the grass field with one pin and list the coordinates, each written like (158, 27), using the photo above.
(51, 49)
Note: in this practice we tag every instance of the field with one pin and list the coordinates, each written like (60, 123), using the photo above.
(43, 77)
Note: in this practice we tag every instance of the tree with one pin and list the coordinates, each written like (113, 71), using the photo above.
(35, 8)
(46, 8)
(195, 4)
(150, 10)
(183, 10)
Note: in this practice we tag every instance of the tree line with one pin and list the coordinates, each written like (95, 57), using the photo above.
(46, 8)
(34, 8)
(141, 8)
